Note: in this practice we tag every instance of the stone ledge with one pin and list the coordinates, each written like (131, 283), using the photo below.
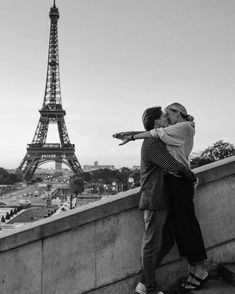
(100, 209)
(215, 170)
(227, 272)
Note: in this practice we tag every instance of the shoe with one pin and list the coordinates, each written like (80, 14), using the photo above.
(192, 286)
(140, 288)
(183, 281)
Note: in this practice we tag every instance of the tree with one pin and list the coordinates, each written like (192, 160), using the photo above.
(217, 151)
(76, 185)
(102, 179)
(7, 178)
(194, 162)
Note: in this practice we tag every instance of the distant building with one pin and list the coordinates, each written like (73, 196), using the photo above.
(44, 171)
(11, 171)
(58, 166)
(135, 167)
(96, 166)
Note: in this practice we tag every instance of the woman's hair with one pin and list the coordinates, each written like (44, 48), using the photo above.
(149, 117)
(182, 110)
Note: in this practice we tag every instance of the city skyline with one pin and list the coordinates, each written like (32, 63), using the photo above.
(116, 59)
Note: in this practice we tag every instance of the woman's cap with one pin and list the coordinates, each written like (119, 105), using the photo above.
(178, 107)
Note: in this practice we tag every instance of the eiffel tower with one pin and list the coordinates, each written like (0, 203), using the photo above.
(40, 152)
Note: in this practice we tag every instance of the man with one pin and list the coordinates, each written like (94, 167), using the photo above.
(155, 162)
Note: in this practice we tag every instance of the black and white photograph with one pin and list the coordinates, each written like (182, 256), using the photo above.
(117, 150)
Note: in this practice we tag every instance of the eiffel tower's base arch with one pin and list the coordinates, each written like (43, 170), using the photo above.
(37, 156)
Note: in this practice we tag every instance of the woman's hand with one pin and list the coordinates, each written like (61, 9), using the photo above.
(124, 136)
(125, 139)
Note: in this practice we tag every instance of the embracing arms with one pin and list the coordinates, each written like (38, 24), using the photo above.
(159, 155)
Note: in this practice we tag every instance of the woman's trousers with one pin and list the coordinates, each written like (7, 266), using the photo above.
(186, 227)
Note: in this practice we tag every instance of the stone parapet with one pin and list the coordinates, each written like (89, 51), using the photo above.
(97, 246)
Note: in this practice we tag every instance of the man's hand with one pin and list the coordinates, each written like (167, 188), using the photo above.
(190, 175)
(195, 184)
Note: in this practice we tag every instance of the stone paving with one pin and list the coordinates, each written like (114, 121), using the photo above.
(217, 286)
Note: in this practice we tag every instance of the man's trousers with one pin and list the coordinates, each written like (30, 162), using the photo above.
(158, 239)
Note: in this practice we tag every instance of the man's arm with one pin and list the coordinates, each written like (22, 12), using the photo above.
(159, 155)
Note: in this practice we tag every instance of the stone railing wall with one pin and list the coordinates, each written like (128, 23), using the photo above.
(96, 248)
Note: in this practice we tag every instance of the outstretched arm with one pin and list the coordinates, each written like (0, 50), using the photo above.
(171, 135)
(121, 135)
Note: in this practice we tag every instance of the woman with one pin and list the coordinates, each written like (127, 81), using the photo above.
(178, 137)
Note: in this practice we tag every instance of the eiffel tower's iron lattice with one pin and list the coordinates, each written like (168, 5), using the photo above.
(39, 152)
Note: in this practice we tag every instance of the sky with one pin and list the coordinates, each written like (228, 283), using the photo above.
(117, 58)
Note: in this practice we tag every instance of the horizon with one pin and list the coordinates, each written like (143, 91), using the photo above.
(116, 58)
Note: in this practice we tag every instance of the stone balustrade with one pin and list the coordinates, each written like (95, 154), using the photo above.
(95, 248)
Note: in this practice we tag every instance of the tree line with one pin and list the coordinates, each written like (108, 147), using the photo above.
(104, 179)
(101, 181)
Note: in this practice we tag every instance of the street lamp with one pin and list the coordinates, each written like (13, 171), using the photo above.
(131, 181)
(114, 186)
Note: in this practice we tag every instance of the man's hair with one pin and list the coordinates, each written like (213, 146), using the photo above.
(150, 115)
